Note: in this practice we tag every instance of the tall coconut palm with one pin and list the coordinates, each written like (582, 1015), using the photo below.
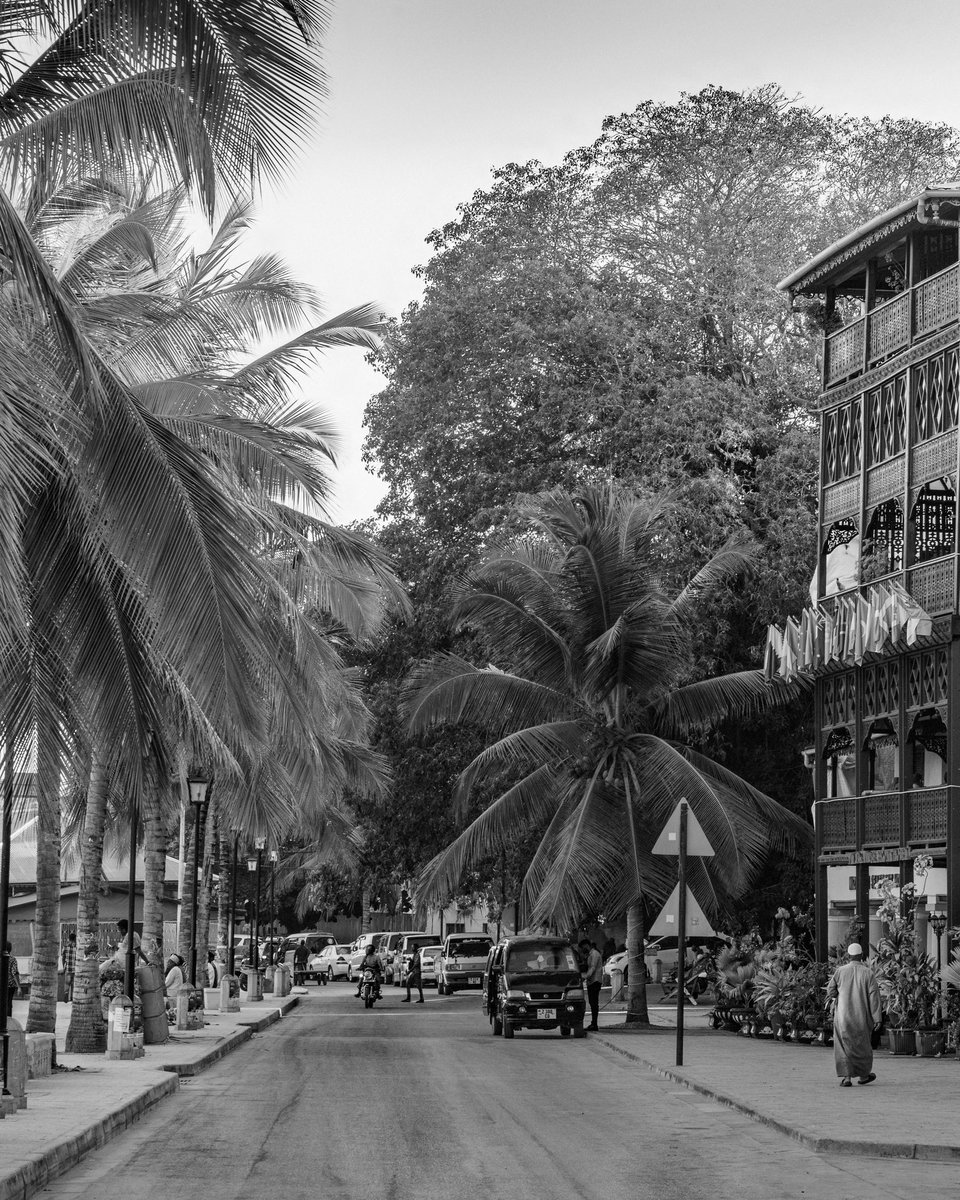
(591, 717)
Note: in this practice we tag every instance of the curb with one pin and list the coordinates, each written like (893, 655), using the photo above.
(929, 1151)
(59, 1157)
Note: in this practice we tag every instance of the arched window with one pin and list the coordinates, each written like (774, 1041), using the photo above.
(883, 546)
(928, 741)
(933, 521)
(841, 557)
(841, 763)
(882, 748)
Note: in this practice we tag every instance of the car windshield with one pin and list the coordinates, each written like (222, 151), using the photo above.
(541, 956)
(477, 949)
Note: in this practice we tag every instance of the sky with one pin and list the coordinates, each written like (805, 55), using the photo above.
(427, 97)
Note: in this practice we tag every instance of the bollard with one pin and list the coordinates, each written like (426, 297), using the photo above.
(229, 994)
(211, 999)
(254, 984)
(189, 1007)
(40, 1054)
(16, 1069)
(281, 980)
(121, 1040)
(616, 984)
(153, 1008)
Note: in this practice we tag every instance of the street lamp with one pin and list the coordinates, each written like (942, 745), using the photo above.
(938, 923)
(232, 920)
(197, 785)
(273, 856)
(255, 864)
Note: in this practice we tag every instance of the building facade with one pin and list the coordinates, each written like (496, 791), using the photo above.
(881, 640)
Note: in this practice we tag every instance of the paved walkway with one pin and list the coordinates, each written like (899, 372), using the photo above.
(74, 1111)
(910, 1112)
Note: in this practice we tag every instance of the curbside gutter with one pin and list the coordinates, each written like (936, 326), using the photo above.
(929, 1151)
(57, 1158)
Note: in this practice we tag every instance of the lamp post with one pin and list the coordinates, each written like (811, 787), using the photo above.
(198, 785)
(255, 864)
(273, 856)
(938, 923)
(231, 920)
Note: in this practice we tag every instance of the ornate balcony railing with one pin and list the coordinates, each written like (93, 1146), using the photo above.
(891, 327)
(922, 811)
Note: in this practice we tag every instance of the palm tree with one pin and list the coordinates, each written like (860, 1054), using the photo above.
(591, 715)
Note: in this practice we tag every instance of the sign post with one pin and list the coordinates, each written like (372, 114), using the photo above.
(681, 835)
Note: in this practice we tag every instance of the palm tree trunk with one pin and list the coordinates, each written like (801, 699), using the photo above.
(87, 1033)
(154, 869)
(208, 834)
(637, 977)
(42, 1014)
(365, 907)
(185, 935)
(226, 882)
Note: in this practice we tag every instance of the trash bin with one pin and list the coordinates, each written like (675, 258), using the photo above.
(153, 1008)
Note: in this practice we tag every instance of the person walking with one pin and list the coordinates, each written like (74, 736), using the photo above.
(857, 1012)
(414, 977)
(592, 973)
(121, 951)
(69, 966)
(300, 956)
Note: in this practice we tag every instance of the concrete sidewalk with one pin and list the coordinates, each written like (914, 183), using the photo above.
(76, 1110)
(909, 1112)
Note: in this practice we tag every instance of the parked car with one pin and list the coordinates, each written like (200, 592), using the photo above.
(387, 949)
(462, 962)
(315, 939)
(429, 956)
(333, 962)
(534, 983)
(404, 954)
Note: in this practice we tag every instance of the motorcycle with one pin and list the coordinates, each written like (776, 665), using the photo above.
(370, 988)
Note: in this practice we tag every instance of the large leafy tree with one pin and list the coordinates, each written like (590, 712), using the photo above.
(589, 704)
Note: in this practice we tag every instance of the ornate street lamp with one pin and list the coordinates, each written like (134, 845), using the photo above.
(938, 923)
(197, 785)
(255, 864)
(232, 918)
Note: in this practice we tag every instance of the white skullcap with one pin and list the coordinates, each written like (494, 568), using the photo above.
(855, 950)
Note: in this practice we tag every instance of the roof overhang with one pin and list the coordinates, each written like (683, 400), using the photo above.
(921, 209)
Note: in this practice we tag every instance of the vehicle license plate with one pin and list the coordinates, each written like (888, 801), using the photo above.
(545, 1014)
(473, 979)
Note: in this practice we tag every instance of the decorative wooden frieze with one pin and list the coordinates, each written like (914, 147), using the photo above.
(933, 585)
(838, 821)
(927, 815)
(854, 250)
(882, 819)
(933, 460)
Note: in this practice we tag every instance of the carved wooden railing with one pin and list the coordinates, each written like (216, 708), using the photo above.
(929, 306)
(924, 809)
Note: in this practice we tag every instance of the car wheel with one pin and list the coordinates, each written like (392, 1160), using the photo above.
(507, 1029)
(497, 1026)
(564, 1030)
(579, 1031)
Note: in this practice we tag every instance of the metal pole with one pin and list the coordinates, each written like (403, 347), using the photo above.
(231, 921)
(682, 932)
(129, 959)
(196, 872)
(273, 911)
(4, 894)
(255, 955)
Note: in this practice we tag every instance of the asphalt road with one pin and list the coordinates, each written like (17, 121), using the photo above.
(421, 1101)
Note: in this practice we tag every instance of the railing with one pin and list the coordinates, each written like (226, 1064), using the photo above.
(930, 305)
(925, 810)
(934, 585)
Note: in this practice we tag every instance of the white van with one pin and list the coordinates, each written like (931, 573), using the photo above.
(461, 964)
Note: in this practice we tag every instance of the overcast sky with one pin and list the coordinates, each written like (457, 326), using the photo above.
(428, 96)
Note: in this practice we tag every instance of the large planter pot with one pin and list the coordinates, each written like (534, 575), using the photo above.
(902, 1041)
(931, 1043)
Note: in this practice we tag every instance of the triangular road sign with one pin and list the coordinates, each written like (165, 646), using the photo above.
(669, 840)
(669, 918)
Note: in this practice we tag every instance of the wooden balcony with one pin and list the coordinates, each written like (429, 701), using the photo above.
(922, 811)
(891, 327)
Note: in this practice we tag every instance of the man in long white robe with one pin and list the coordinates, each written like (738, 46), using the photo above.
(854, 990)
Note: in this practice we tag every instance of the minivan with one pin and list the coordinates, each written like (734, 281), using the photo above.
(534, 982)
(462, 961)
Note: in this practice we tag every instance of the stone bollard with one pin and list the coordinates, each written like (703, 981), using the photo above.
(254, 984)
(122, 1042)
(16, 1069)
(41, 1049)
(229, 994)
(211, 999)
(616, 984)
(281, 980)
(189, 1007)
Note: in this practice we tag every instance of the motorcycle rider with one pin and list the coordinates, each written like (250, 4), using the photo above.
(370, 962)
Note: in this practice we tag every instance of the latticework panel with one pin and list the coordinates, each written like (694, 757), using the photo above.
(844, 352)
(927, 815)
(841, 500)
(885, 482)
(839, 699)
(889, 327)
(881, 690)
(881, 819)
(838, 821)
(928, 678)
(934, 459)
(935, 301)
(842, 441)
(933, 586)
(887, 420)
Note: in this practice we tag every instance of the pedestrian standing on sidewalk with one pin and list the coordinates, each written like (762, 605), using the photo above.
(13, 978)
(414, 977)
(300, 956)
(69, 966)
(857, 1012)
(592, 979)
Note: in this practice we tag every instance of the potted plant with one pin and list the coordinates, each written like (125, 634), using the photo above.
(907, 980)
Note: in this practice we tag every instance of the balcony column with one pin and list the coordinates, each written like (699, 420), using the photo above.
(869, 300)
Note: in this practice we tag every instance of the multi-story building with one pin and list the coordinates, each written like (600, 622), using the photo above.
(882, 640)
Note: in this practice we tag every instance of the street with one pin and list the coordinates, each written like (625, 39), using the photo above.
(422, 1101)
